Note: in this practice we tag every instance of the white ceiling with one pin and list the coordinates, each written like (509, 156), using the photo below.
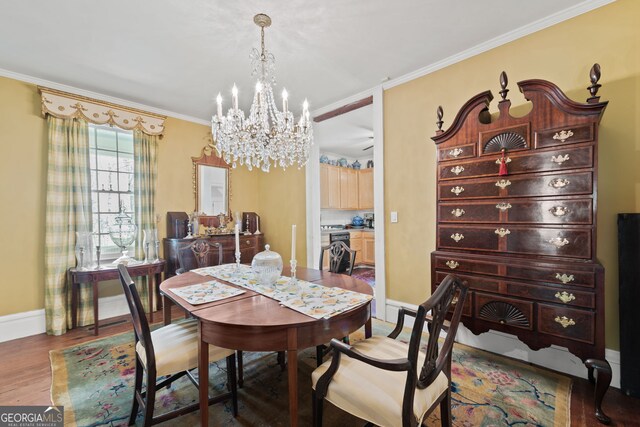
(176, 55)
(347, 134)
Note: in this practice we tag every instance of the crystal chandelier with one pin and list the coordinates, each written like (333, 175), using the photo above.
(267, 135)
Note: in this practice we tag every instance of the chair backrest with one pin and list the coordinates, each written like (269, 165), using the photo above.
(200, 253)
(139, 319)
(337, 251)
(451, 293)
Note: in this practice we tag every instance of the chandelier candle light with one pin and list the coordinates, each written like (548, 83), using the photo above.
(267, 135)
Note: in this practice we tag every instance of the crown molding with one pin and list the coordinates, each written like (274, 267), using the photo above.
(523, 31)
(99, 96)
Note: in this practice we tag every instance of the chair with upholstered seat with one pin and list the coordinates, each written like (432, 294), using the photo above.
(389, 383)
(169, 350)
(200, 253)
(337, 251)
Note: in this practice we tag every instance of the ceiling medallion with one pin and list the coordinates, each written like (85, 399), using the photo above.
(267, 135)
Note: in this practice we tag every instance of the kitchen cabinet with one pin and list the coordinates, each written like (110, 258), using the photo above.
(365, 189)
(368, 248)
(344, 188)
(348, 188)
(329, 187)
(355, 242)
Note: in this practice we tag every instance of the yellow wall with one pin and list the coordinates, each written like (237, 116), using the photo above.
(23, 182)
(562, 54)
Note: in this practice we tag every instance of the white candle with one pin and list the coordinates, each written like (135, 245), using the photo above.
(293, 242)
(285, 102)
(219, 101)
(257, 223)
(234, 92)
(237, 229)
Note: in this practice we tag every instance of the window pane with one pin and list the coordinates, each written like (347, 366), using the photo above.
(107, 181)
(94, 205)
(106, 139)
(125, 142)
(94, 180)
(127, 202)
(125, 182)
(96, 222)
(92, 137)
(107, 160)
(108, 202)
(92, 158)
(125, 162)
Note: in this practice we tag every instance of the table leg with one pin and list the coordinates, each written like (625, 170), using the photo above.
(166, 310)
(151, 286)
(74, 304)
(95, 307)
(156, 289)
(292, 363)
(203, 377)
(368, 329)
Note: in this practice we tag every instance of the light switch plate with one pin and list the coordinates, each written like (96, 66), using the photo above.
(394, 216)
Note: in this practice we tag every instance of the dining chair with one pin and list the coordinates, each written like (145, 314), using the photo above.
(200, 253)
(337, 251)
(172, 351)
(390, 383)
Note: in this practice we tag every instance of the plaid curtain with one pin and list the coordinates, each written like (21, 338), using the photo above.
(144, 193)
(68, 210)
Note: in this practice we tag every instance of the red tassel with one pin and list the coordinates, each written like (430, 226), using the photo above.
(503, 164)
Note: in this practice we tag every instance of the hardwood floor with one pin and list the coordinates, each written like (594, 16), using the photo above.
(25, 375)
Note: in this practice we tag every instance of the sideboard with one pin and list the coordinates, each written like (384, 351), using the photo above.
(249, 246)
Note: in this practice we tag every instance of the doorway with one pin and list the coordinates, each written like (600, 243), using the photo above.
(345, 187)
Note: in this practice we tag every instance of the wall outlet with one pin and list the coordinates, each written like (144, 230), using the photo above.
(394, 216)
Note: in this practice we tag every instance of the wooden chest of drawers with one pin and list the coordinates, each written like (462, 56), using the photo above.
(516, 218)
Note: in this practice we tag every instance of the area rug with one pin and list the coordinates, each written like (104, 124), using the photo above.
(367, 274)
(94, 381)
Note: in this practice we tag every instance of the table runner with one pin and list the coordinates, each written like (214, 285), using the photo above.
(308, 298)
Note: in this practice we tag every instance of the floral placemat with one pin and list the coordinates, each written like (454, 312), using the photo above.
(206, 292)
(308, 298)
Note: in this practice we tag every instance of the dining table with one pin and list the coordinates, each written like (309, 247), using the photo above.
(253, 321)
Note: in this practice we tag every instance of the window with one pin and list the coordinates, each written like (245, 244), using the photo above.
(111, 165)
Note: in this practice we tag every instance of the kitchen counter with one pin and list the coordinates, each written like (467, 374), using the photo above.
(327, 232)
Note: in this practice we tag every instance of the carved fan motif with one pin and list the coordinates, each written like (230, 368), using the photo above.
(507, 140)
(504, 313)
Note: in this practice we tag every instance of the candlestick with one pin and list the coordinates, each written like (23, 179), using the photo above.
(293, 263)
(157, 254)
(237, 233)
(293, 242)
(257, 225)
(247, 232)
(146, 252)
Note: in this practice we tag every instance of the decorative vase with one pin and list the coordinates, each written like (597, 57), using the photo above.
(150, 237)
(123, 233)
(267, 266)
(84, 250)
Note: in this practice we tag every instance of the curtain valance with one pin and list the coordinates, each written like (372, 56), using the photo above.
(67, 105)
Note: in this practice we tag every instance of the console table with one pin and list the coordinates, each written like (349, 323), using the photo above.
(152, 270)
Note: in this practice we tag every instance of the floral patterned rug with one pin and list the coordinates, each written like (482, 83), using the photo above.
(93, 381)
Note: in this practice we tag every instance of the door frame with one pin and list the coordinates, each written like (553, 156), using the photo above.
(312, 175)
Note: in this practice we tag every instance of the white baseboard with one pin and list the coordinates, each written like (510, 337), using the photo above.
(556, 358)
(20, 325)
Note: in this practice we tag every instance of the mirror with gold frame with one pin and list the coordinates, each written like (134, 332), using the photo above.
(211, 183)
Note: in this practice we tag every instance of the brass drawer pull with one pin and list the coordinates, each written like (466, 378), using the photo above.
(457, 190)
(457, 237)
(456, 152)
(506, 160)
(503, 183)
(560, 159)
(559, 183)
(565, 297)
(454, 301)
(559, 210)
(503, 206)
(564, 321)
(248, 242)
(457, 170)
(563, 135)
(565, 278)
(452, 264)
(457, 212)
(558, 242)
(502, 232)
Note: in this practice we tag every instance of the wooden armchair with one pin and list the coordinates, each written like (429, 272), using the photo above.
(390, 383)
(200, 253)
(337, 251)
(170, 350)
